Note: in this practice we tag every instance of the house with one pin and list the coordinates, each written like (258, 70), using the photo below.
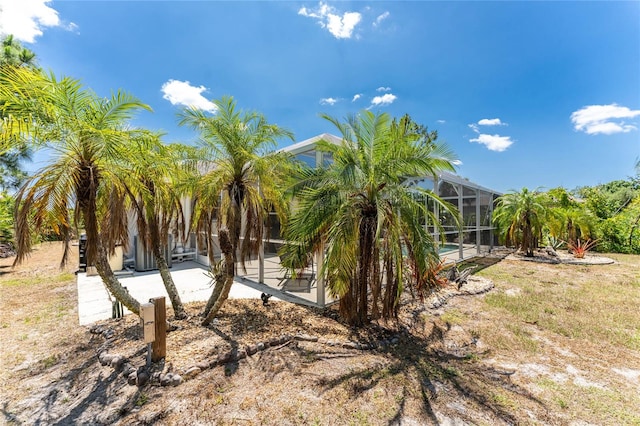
(474, 202)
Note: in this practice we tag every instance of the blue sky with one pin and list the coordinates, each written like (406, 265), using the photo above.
(527, 94)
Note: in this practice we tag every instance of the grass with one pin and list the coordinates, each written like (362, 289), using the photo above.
(454, 317)
(590, 306)
(37, 280)
(589, 402)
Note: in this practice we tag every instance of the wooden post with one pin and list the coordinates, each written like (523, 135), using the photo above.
(159, 348)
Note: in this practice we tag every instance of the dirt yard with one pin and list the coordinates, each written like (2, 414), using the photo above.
(549, 344)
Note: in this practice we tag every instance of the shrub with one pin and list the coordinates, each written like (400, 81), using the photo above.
(579, 248)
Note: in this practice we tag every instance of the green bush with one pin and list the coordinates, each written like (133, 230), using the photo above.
(621, 233)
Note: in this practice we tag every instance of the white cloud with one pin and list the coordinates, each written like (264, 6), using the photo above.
(183, 93)
(385, 99)
(441, 121)
(474, 127)
(605, 119)
(493, 142)
(339, 26)
(356, 97)
(328, 101)
(381, 18)
(26, 19)
(383, 89)
(491, 122)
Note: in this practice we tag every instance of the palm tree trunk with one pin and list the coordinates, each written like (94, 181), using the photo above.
(389, 301)
(222, 297)
(111, 282)
(227, 250)
(96, 251)
(169, 285)
(219, 282)
(376, 284)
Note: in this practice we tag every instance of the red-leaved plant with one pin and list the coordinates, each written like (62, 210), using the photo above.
(580, 248)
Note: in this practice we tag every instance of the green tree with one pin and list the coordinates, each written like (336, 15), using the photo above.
(607, 200)
(238, 184)
(151, 173)
(13, 55)
(11, 173)
(87, 135)
(521, 217)
(362, 211)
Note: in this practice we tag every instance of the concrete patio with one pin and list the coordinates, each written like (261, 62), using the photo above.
(94, 302)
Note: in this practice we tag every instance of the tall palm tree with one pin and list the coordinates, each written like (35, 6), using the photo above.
(363, 211)
(151, 173)
(87, 136)
(520, 217)
(239, 184)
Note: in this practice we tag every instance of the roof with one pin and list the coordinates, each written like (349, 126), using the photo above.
(306, 144)
(453, 178)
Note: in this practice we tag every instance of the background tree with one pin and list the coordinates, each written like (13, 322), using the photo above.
(87, 136)
(521, 217)
(151, 175)
(608, 199)
(6, 218)
(13, 55)
(362, 211)
(619, 228)
(239, 183)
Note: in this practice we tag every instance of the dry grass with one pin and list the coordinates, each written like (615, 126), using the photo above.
(563, 340)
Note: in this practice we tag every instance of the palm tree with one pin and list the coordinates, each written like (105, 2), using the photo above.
(87, 136)
(238, 185)
(520, 217)
(363, 211)
(151, 173)
(567, 219)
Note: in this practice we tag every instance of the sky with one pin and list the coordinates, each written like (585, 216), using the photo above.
(526, 93)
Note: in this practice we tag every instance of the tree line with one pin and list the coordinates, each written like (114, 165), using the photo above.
(606, 216)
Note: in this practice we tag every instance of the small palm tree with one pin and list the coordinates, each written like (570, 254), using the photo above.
(521, 217)
(238, 184)
(567, 219)
(151, 173)
(87, 136)
(364, 213)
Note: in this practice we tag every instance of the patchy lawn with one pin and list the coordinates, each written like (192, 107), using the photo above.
(549, 344)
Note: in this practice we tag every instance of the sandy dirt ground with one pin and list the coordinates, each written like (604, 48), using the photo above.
(485, 355)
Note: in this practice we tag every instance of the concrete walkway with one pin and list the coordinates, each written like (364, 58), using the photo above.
(94, 302)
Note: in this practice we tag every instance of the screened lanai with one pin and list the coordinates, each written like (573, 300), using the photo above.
(474, 202)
